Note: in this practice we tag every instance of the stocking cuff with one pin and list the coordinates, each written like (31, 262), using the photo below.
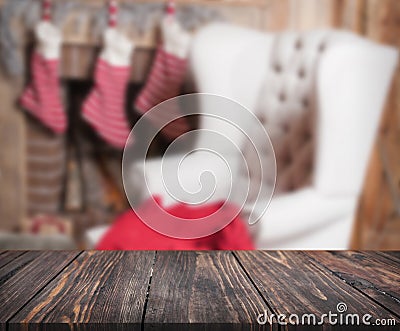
(49, 40)
(117, 49)
(176, 40)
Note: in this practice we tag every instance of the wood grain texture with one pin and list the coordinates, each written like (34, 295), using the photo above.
(212, 290)
(98, 291)
(201, 290)
(26, 276)
(294, 284)
(9, 270)
(392, 255)
(8, 256)
(377, 277)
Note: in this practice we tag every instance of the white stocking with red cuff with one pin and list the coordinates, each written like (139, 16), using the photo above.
(166, 78)
(42, 97)
(104, 109)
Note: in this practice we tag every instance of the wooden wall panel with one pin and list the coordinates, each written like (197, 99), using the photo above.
(248, 13)
(377, 224)
(276, 15)
(12, 156)
(349, 14)
(310, 14)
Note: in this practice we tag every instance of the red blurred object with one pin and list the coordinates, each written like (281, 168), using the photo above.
(170, 9)
(129, 233)
(47, 224)
(112, 13)
(46, 10)
(47, 220)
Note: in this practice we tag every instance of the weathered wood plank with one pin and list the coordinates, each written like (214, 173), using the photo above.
(99, 291)
(392, 255)
(8, 256)
(294, 284)
(373, 275)
(9, 270)
(201, 290)
(26, 275)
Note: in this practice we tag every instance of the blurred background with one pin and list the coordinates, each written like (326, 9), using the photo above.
(53, 188)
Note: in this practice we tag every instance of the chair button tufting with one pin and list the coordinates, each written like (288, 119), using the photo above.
(286, 159)
(282, 96)
(285, 127)
(321, 47)
(298, 44)
(262, 119)
(277, 68)
(301, 73)
(305, 102)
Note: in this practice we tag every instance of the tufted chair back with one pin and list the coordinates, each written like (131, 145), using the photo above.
(287, 105)
(319, 94)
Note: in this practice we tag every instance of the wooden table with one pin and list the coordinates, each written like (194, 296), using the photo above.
(209, 290)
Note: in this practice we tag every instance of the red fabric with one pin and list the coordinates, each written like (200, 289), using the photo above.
(164, 82)
(42, 98)
(104, 109)
(129, 233)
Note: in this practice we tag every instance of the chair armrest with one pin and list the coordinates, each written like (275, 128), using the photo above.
(353, 81)
(294, 215)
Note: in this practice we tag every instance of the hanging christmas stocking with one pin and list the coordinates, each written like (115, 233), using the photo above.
(42, 96)
(166, 78)
(104, 108)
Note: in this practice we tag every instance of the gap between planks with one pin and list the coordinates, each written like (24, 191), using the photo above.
(14, 257)
(148, 292)
(253, 282)
(42, 288)
(336, 274)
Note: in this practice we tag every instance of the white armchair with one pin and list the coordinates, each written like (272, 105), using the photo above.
(346, 78)
(333, 80)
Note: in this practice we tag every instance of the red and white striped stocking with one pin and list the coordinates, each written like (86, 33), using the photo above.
(42, 97)
(104, 109)
(166, 78)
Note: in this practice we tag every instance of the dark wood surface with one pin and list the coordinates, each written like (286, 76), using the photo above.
(147, 290)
